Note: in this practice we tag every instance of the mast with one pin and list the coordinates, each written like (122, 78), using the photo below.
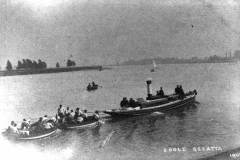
(149, 92)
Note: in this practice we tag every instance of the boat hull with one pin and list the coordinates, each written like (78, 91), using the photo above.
(90, 124)
(177, 104)
(92, 88)
(33, 137)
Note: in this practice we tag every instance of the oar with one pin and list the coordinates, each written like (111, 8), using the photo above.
(196, 102)
(107, 139)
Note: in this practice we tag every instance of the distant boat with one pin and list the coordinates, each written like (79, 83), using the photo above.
(154, 66)
(92, 87)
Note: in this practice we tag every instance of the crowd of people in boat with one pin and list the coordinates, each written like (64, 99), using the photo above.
(92, 85)
(179, 91)
(26, 127)
(68, 116)
(63, 116)
(125, 103)
(160, 92)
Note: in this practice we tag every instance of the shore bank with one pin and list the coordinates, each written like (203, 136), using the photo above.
(48, 70)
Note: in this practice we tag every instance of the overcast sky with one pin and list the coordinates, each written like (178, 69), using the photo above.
(107, 31)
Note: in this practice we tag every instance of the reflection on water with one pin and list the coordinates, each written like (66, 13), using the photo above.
(29, 151)
(215, 121)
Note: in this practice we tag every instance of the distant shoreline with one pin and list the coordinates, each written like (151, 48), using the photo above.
(49, 70)
(178, 61)
(132, 64)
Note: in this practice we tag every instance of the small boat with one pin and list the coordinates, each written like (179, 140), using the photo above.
(83, 125)
(32, 135)
(92, 88)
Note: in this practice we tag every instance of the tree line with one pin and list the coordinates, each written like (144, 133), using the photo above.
(27, 64)
(32, 64)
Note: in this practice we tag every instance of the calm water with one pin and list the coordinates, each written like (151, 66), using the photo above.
(214, 122)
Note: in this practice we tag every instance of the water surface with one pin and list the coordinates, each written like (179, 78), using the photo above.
(213, 122)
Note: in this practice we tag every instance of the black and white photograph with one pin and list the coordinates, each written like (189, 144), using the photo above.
(119, 79)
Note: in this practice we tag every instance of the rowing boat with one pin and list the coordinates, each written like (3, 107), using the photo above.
(31, 136)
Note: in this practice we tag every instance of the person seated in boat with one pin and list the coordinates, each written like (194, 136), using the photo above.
(40, 121)
(84, 115)
(47, 125)
(124, 102)
(161, 92)
(25, 124)
(68, 117)
(132, 103)
(96, 115)
(24, 132)
(93, 84)
(181, 89)
(52, 120)
(71, 115)
(76, 114)
(47, 122)
(67, 112)
(37, 126)
(61, 111)
(21, 131)
(13, 128)
(45, 119)
(177, 90)
(181, 92)
(79, 120)
(89, 86)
